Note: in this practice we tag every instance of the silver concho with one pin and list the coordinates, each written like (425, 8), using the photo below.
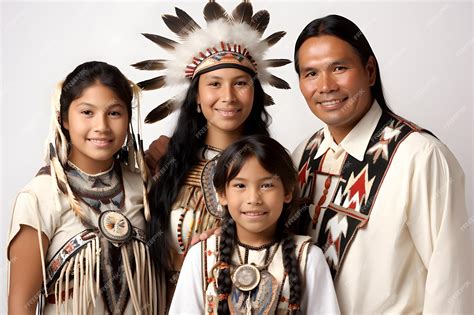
(115, 227)
(246, 277)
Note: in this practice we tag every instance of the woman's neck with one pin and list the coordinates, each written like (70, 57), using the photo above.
(222, 139)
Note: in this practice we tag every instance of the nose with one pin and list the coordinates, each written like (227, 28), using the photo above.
(228, 95)
(254, 196)
(101, 123)
(326, 83)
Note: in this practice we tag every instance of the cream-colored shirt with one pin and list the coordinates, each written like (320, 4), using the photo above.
(415, 253)
(318, 296)
(35, 207)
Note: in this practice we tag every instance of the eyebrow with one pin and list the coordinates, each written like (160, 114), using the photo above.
(331, 64)
(108, 106)
(233, 78)
(260, 179)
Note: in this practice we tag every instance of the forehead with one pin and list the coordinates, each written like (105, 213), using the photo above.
(253, 169)
(225, 73)
(324, 50)
(98, 94)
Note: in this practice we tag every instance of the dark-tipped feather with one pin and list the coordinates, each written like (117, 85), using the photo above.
(268, 100)
(179, 26)
(243, 13)
(214, 11)
(273, 63)
(56, 164)
(161, 41)
(278, 82)
(274, 38)
(152, 84)
(157, 64)
(260, 21)
(191, 24)
(160, 112)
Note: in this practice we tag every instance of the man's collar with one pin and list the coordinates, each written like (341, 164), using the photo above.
(356, 141)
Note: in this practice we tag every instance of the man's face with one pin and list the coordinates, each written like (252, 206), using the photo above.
(335, 83)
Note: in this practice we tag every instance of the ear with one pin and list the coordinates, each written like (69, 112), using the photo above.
(222, 199)
(66, 124)
(288, 197)
(371, 69)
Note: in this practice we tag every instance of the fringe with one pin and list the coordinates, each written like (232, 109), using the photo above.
(82, 272)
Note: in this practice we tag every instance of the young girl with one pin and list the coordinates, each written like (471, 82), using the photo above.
(256, 266)
(222, 67)
(77, 236)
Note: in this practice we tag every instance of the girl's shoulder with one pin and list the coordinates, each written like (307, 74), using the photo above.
(41, 185)
(132, 178)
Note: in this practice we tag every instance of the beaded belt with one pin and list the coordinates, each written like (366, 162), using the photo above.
(74, 245)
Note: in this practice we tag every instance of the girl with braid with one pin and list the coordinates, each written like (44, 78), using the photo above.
(256, 265)
(220, 70)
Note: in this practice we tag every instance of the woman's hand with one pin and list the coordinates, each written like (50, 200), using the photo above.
(155, 152)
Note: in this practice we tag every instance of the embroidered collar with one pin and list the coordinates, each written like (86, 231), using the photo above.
(209, 152)
(355, 143)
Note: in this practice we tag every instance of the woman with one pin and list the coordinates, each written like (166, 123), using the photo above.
(222, 68)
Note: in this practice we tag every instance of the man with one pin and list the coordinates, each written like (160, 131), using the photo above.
(388, 197)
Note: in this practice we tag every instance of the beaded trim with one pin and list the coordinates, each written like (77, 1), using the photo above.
(70, 248)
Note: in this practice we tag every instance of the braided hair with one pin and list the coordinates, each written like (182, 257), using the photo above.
(275, 159)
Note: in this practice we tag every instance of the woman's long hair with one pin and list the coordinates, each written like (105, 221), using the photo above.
(188, 137)
(275, 159)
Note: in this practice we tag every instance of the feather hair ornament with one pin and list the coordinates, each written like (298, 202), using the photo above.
(233, 39)
(56, 155)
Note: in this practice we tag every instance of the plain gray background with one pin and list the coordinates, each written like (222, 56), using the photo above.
(425, 52)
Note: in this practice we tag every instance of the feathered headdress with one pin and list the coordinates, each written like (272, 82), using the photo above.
(230, 40)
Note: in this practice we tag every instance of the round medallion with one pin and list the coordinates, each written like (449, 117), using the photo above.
(246, 277)
(115, 226)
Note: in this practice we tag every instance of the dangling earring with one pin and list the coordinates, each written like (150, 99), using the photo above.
(198, 109)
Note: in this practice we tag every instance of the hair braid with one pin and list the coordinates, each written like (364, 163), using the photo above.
(226, 248)
(292, 269)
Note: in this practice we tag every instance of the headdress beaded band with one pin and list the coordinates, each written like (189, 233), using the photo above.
(230, 40)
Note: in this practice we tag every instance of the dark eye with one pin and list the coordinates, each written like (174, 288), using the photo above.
(267, 185)
(241, 83)
(310, 74)
(86, 112)
(214, 84)
(239, 185)
(115, 114)
(339, 68)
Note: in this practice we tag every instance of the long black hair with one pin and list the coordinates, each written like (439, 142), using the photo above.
(88, 74)
(188, 137)
(345, 29)
(275, 159)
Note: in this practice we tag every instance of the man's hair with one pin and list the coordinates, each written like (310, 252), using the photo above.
(346, 30)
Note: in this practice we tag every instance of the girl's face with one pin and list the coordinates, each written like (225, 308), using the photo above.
(255, 200)
(97, 123)
(226, 98)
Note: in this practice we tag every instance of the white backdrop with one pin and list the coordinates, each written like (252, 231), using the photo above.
(425, 51)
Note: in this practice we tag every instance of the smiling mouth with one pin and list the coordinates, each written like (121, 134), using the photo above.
(332, 102)
(254, 213)
(228, 112)
(100, 142)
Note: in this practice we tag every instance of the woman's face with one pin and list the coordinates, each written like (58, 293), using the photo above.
(225, 97)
